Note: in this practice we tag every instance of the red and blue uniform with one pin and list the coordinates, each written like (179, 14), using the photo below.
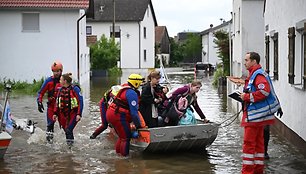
(51, 85)
(259, 95)
(121, 112)
(69, 104)
(103, 107)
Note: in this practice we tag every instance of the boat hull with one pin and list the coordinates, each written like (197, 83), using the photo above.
(177, 138)
(5, 140)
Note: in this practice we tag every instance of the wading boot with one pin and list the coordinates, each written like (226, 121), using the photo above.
(49, 137)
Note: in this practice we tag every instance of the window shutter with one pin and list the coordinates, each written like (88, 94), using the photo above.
(304, 76)
(267, 41)
(291, 54)
(275, 50)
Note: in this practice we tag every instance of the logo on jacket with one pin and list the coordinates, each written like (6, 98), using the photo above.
(261, 86)
(133, 103)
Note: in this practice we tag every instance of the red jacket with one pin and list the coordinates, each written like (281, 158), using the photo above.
(262, 86)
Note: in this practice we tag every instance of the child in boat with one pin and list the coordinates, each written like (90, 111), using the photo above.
(69, 106)
(162, 94)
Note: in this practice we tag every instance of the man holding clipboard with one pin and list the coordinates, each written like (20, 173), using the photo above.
(258, 94)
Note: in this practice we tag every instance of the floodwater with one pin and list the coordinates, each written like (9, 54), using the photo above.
(31, 154)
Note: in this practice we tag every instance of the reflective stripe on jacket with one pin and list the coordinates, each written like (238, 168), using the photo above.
(262, 110)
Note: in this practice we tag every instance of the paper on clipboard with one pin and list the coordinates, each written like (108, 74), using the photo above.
(236, 96)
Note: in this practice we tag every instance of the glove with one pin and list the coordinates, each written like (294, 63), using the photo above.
(280, 112)
(135, 134)
(40, 107)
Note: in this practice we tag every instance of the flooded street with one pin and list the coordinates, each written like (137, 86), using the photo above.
(31, 154)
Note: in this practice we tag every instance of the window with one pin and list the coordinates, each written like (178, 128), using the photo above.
(267, 41)
(275, 55)
(291, 54)
(88, 30)
(30, 22)
(145, 55)
(144, 32)
(300, 62)
(117, 31)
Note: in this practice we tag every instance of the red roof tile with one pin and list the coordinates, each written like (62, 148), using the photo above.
(159, 31)
(44, 3)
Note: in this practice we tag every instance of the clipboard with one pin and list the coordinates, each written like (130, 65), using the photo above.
(236, 96)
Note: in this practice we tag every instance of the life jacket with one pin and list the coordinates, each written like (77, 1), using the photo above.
(118, 101)
(262, 110)
(67, 100)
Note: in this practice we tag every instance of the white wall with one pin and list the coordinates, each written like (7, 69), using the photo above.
(148, 43)
(205, 45)
(279, 18)
(248, 35)
(132, 42)
(236, 37)
(26, 56)
(128, 42)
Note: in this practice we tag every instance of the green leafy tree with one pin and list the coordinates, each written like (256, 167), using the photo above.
(193, 47)
(222, 42)
(104, 54)
(177, 53)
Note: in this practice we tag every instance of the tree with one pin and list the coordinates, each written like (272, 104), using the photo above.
(193, 47)
(222, 42)
(104, 54)
(177, 53)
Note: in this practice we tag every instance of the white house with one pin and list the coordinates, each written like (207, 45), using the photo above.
(134, 30)
(247, 33)
(285, 50)
(209, 48)
(34, 35)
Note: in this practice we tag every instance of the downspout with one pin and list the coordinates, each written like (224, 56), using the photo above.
(139, 44)
(78, 46)
(230, 47)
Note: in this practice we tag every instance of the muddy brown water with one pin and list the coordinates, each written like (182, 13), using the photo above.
(31, 154)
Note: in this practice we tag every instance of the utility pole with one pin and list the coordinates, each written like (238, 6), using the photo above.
(114, 17)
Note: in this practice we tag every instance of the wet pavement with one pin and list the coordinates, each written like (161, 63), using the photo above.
(31, 154)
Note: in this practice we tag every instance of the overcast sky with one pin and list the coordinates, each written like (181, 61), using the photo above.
(190, 15)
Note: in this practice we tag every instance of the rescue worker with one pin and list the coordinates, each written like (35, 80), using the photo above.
(124, 110)
(103, 105)
(69, 106)
(259, 105)
(51, 86)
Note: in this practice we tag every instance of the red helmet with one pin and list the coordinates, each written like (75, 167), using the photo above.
(57, 66)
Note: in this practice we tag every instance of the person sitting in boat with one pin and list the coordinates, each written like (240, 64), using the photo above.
(69, 106)
(123, 110)
(51, 86)
(162, 91)
(149, 99)
(180, 100)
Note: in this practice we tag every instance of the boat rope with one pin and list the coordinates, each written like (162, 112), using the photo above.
(235, 116)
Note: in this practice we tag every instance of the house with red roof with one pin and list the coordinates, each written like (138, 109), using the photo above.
(162, 44)
(35, 33)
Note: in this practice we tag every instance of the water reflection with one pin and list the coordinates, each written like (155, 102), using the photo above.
(31, 154)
